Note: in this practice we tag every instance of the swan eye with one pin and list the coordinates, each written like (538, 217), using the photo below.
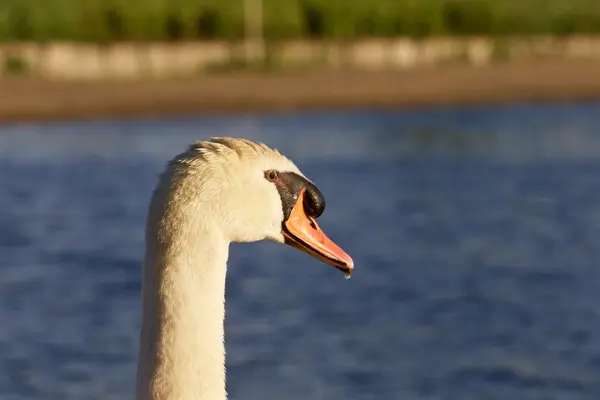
(271, 175)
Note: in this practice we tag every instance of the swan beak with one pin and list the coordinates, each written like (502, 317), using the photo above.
(303, 233)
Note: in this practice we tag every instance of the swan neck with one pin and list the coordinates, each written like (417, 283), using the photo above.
(182, 352)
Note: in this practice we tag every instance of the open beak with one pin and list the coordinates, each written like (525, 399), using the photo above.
(302, 232)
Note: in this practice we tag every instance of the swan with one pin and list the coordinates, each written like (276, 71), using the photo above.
(216, 192)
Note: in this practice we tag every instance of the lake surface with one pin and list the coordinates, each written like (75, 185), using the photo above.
(475, 234)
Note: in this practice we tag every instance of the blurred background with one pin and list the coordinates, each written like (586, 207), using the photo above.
(456, 142)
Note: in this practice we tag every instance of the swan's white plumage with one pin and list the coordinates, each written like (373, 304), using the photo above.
(210, 195)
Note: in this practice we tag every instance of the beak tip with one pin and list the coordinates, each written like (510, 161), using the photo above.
(348, 267)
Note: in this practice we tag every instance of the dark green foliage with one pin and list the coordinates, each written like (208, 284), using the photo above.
(151, 20)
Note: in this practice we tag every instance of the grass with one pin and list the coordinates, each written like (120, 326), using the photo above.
(172, 20)
(15, 66)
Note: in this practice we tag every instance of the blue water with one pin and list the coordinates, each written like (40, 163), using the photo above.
(475, 233)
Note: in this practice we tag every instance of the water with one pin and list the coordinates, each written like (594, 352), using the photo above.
(475, 234)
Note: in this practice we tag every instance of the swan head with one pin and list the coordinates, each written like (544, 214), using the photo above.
(250, 192)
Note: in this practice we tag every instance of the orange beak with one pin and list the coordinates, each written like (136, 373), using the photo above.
(302, 232)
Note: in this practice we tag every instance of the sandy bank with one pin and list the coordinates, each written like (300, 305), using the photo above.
(34, 99)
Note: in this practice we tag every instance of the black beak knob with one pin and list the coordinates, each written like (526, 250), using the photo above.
(314, 202)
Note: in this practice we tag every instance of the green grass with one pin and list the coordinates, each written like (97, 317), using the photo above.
(148, 20)
(15, 66)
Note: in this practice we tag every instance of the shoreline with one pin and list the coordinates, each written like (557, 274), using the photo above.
(25, 99)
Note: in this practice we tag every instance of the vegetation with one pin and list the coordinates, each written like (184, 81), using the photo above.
(15, 66)
(113, 20)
